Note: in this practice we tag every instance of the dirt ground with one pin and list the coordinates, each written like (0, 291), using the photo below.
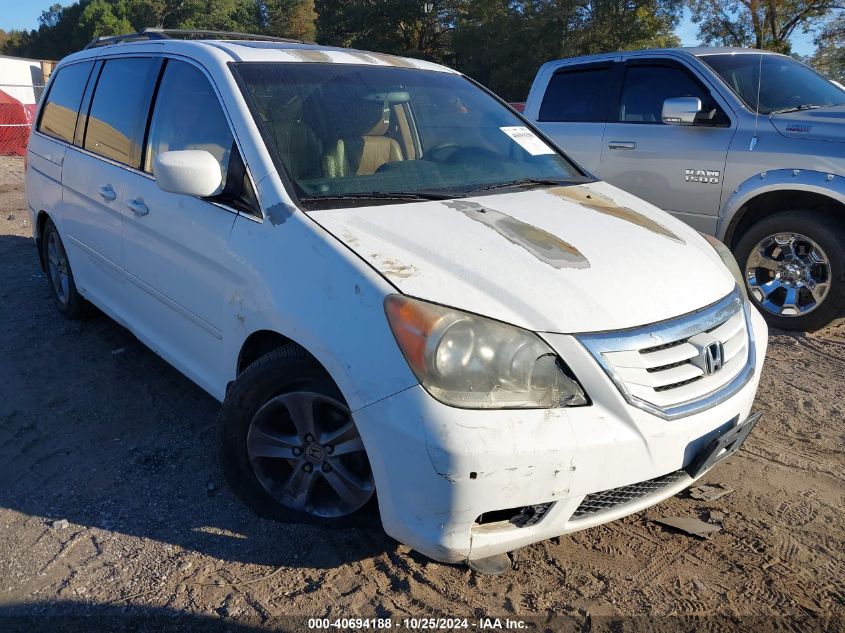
(111, 502)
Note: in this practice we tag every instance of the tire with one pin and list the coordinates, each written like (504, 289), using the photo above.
(70, 303)
(259, 402)
(764, 255)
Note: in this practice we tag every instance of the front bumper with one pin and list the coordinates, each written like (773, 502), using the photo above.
(438, 468)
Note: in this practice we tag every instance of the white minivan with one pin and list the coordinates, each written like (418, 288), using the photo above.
(405, 297)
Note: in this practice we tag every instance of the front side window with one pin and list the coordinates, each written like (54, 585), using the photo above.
(646, 88)
(58, 118)
(188, 115)
(342, 131)
(786, 83)
(578, 96)
(117, 119)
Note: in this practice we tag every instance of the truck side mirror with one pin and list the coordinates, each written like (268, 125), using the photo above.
(681, 110)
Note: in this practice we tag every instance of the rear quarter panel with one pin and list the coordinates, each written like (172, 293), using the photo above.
(45, 158)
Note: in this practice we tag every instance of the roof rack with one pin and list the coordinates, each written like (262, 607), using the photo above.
(150, 33)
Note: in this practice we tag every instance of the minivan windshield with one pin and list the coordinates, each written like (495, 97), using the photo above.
(787, 84)
(349, 134)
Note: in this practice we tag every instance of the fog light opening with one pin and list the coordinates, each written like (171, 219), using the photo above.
(524, 516)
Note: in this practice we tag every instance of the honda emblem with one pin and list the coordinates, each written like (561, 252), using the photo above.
(714, 358)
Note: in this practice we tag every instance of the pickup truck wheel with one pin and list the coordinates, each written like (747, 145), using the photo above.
(62, 285)
(289, 446)
(794, 265)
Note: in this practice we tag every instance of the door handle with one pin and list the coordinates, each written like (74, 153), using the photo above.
(138, 207)
(622, 145)
(107, 193)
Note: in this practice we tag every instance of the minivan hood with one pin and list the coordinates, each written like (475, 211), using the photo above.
(563, 259)
(823, 124)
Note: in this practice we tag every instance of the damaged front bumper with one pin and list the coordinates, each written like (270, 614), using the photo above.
(459, 484)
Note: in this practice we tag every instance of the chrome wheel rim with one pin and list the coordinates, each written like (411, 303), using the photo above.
(58, 267)
(788, 274)
(306, 452)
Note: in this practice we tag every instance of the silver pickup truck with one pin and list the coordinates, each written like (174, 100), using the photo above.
(743, 145)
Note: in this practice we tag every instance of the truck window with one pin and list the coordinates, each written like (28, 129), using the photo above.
(118, 116)
(58, 118)
(786, 83)
(577, 96)
(646, 87)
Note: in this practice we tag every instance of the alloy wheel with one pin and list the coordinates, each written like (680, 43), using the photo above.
(306, 452)
(58, 268)
(788, 274)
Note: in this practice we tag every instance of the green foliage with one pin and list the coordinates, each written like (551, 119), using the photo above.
(290, 18)
(499, 42)
(830, 52)
(63, 30)
(752, 23)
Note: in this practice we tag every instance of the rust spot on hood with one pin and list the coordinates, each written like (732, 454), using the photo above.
(546, 247)
(606, 205)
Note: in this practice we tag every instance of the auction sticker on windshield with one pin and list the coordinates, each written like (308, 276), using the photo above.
(529, 141)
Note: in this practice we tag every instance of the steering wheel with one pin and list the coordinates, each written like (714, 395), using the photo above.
(441, 153)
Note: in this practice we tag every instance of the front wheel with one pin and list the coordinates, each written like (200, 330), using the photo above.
(794, 267)
(289, 446)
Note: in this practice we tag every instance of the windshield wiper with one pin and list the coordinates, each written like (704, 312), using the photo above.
(798, 108)
(384, 195)
(529, 182)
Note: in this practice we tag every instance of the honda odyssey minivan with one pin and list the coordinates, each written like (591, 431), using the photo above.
(405, 298)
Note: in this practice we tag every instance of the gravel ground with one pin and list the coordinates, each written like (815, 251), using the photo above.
(112, 504)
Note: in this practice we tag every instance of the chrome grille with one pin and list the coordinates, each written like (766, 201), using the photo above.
(661, 368)
(607, 500)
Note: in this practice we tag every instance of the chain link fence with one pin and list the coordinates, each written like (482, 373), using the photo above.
(17, 112)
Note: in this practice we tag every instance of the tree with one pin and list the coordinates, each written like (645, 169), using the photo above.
(830, 49)
(765, 24)
(290, 18)
(401, 27)
(102, 18)
(609, 25)
(498, 42)
(501, 43)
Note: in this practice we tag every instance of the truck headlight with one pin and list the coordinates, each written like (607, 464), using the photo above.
(472, 362)
(729, 261)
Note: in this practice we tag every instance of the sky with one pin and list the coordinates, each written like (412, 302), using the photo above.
(23, 14)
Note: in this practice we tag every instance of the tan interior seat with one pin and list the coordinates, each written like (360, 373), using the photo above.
(294, 138)
(363, 154)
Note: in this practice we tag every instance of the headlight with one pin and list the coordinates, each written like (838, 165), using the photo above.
(472, 362)
(730, 261)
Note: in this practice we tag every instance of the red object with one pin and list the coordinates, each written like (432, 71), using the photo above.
(15, 121)
(519, 106)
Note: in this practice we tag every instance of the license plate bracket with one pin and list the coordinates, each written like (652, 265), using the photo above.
(721, 447)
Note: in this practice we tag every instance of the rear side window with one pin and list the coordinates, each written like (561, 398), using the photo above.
(118, 115)
(647, 87)
(577, 95)
(188, 115)
(58, 118)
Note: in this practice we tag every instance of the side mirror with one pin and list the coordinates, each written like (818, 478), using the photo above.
(191, 172)
(681, 110)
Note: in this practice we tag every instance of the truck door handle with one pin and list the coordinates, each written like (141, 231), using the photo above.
(138, 207)
(107, 193)
(622, 145)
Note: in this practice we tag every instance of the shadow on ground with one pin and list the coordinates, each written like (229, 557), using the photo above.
(97, 430)
(75, 617)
